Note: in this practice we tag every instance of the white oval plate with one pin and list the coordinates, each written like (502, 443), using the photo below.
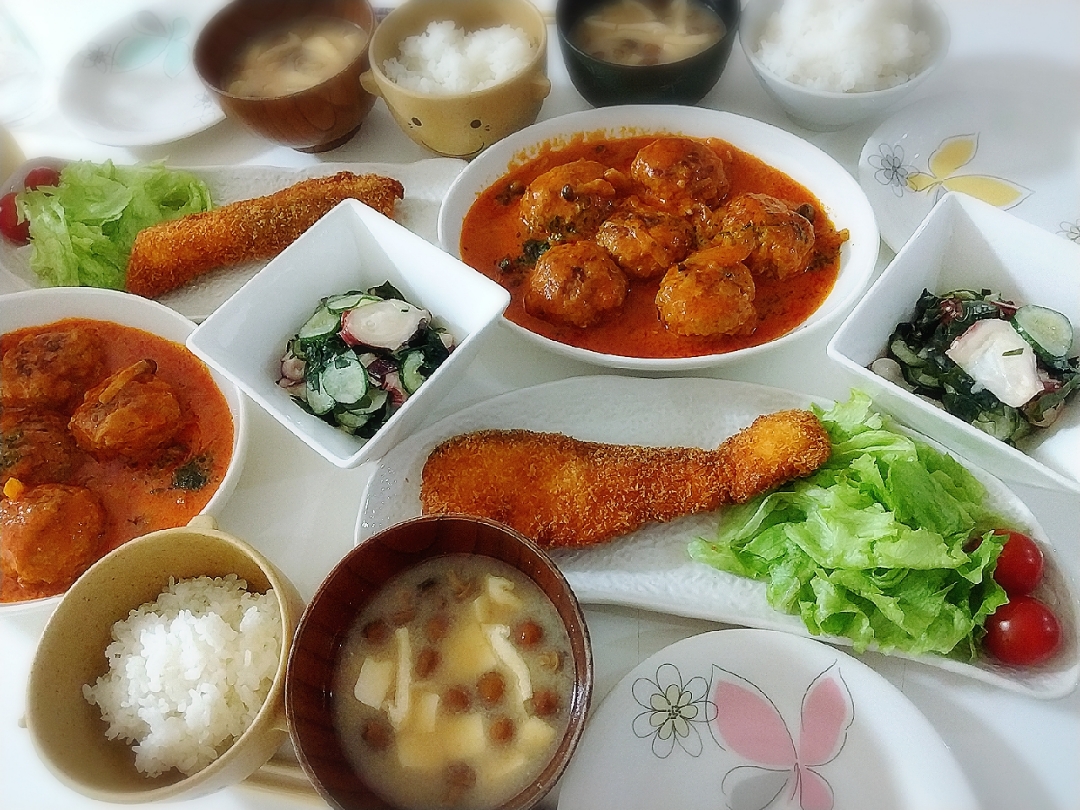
(844, 201)
(134, 84)
(1015, 150)
(713, 721)
(425, 184)
(650, 568)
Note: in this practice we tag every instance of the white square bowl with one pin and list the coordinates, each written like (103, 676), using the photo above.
(353, 247)
(967, 244)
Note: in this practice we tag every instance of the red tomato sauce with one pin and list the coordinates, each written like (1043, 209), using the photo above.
(492, 231)
(177, 485)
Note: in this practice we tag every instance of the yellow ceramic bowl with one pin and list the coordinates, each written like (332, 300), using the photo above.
(461, 124)
(68, 732)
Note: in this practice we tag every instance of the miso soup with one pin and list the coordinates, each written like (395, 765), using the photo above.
(648, 32)
(453, 686)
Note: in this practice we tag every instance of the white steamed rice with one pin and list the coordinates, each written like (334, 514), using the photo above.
(445, 59)
(189, 672)
(844, 45)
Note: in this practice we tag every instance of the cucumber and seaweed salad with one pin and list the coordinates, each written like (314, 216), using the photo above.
(920, 348)
(360, 356)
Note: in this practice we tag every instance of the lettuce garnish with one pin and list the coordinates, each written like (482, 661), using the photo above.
(876, 546)
(82, 230)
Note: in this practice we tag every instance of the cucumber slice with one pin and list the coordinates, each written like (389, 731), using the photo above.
(344, 379)
(320, 325)
(1048, 331)
(369, 404)
(411, 377)
(317, 399)
(350, 420)
(340, 303)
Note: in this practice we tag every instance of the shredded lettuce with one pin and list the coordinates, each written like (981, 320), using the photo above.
(82, 230)
(876, 545)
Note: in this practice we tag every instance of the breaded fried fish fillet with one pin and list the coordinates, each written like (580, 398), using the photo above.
(168, 255)
(562, 492)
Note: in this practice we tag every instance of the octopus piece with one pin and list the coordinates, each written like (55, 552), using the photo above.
(132, 414)
(645, 241)
(576, 283)
(563, 492)
(51, 369)
(51, 534)
(36, 447)
(681, 171)
(570, 201)
(780, 238)
(710, 293)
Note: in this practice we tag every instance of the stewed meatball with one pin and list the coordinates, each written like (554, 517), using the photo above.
(51, 369)
(710, 293)
(132, 414)
(576, 283)
(779, 238)
(570, 201)
(50, 534)
(681, 171)
(36, 447)
(646, 241)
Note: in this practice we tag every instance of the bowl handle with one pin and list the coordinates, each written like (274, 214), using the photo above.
(541, 87)
(367, 81)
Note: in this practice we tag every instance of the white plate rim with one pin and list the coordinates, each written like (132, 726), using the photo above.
(782, 150)
(100, 131)
(599, 574)
(916, 748)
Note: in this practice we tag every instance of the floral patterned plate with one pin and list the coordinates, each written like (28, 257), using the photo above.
(1013, 150)
(134, 83)
(753, 719)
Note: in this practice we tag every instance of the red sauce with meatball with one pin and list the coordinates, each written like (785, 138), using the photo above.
(139, 492)
(494, 238)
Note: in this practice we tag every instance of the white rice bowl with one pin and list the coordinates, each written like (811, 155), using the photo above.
(189, 672)
(844, 45)
(446, 60)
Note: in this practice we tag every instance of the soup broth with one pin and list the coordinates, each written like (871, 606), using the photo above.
(453, 686)
(648, 32)
(293, 58)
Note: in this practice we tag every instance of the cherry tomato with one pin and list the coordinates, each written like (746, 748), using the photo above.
(1023, 632)
(1020, 565)
(13, 230)
(41, 176)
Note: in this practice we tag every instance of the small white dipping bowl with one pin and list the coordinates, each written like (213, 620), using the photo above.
(353, 247)
(825, 110)
(967, 244)
(50, 304)
(843, 200)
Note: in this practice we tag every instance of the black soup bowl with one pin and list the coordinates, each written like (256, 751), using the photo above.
(604, 83)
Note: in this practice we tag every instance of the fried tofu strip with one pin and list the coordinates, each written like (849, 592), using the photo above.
(168, 255)
(562, 492)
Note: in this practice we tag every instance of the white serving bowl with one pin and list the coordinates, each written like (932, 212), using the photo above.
(825, 110)
(840, 195)
(965, 243)
(351, 248)
(49, 304)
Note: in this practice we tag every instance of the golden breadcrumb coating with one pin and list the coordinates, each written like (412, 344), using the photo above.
(169, 255)
(562, 492)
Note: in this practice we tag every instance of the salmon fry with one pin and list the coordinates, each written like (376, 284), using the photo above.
(563, 492)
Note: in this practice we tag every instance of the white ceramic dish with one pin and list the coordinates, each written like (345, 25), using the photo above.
(968, 244)
(712, 721)
(425, 182)
(650, 568)
(351, 248)
(38, 307)
(838, 192)
(133, 84)
(825, 110)
(1014, 149)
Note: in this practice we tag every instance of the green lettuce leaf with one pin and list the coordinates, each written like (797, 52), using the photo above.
(82, 230)
(876, 545)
